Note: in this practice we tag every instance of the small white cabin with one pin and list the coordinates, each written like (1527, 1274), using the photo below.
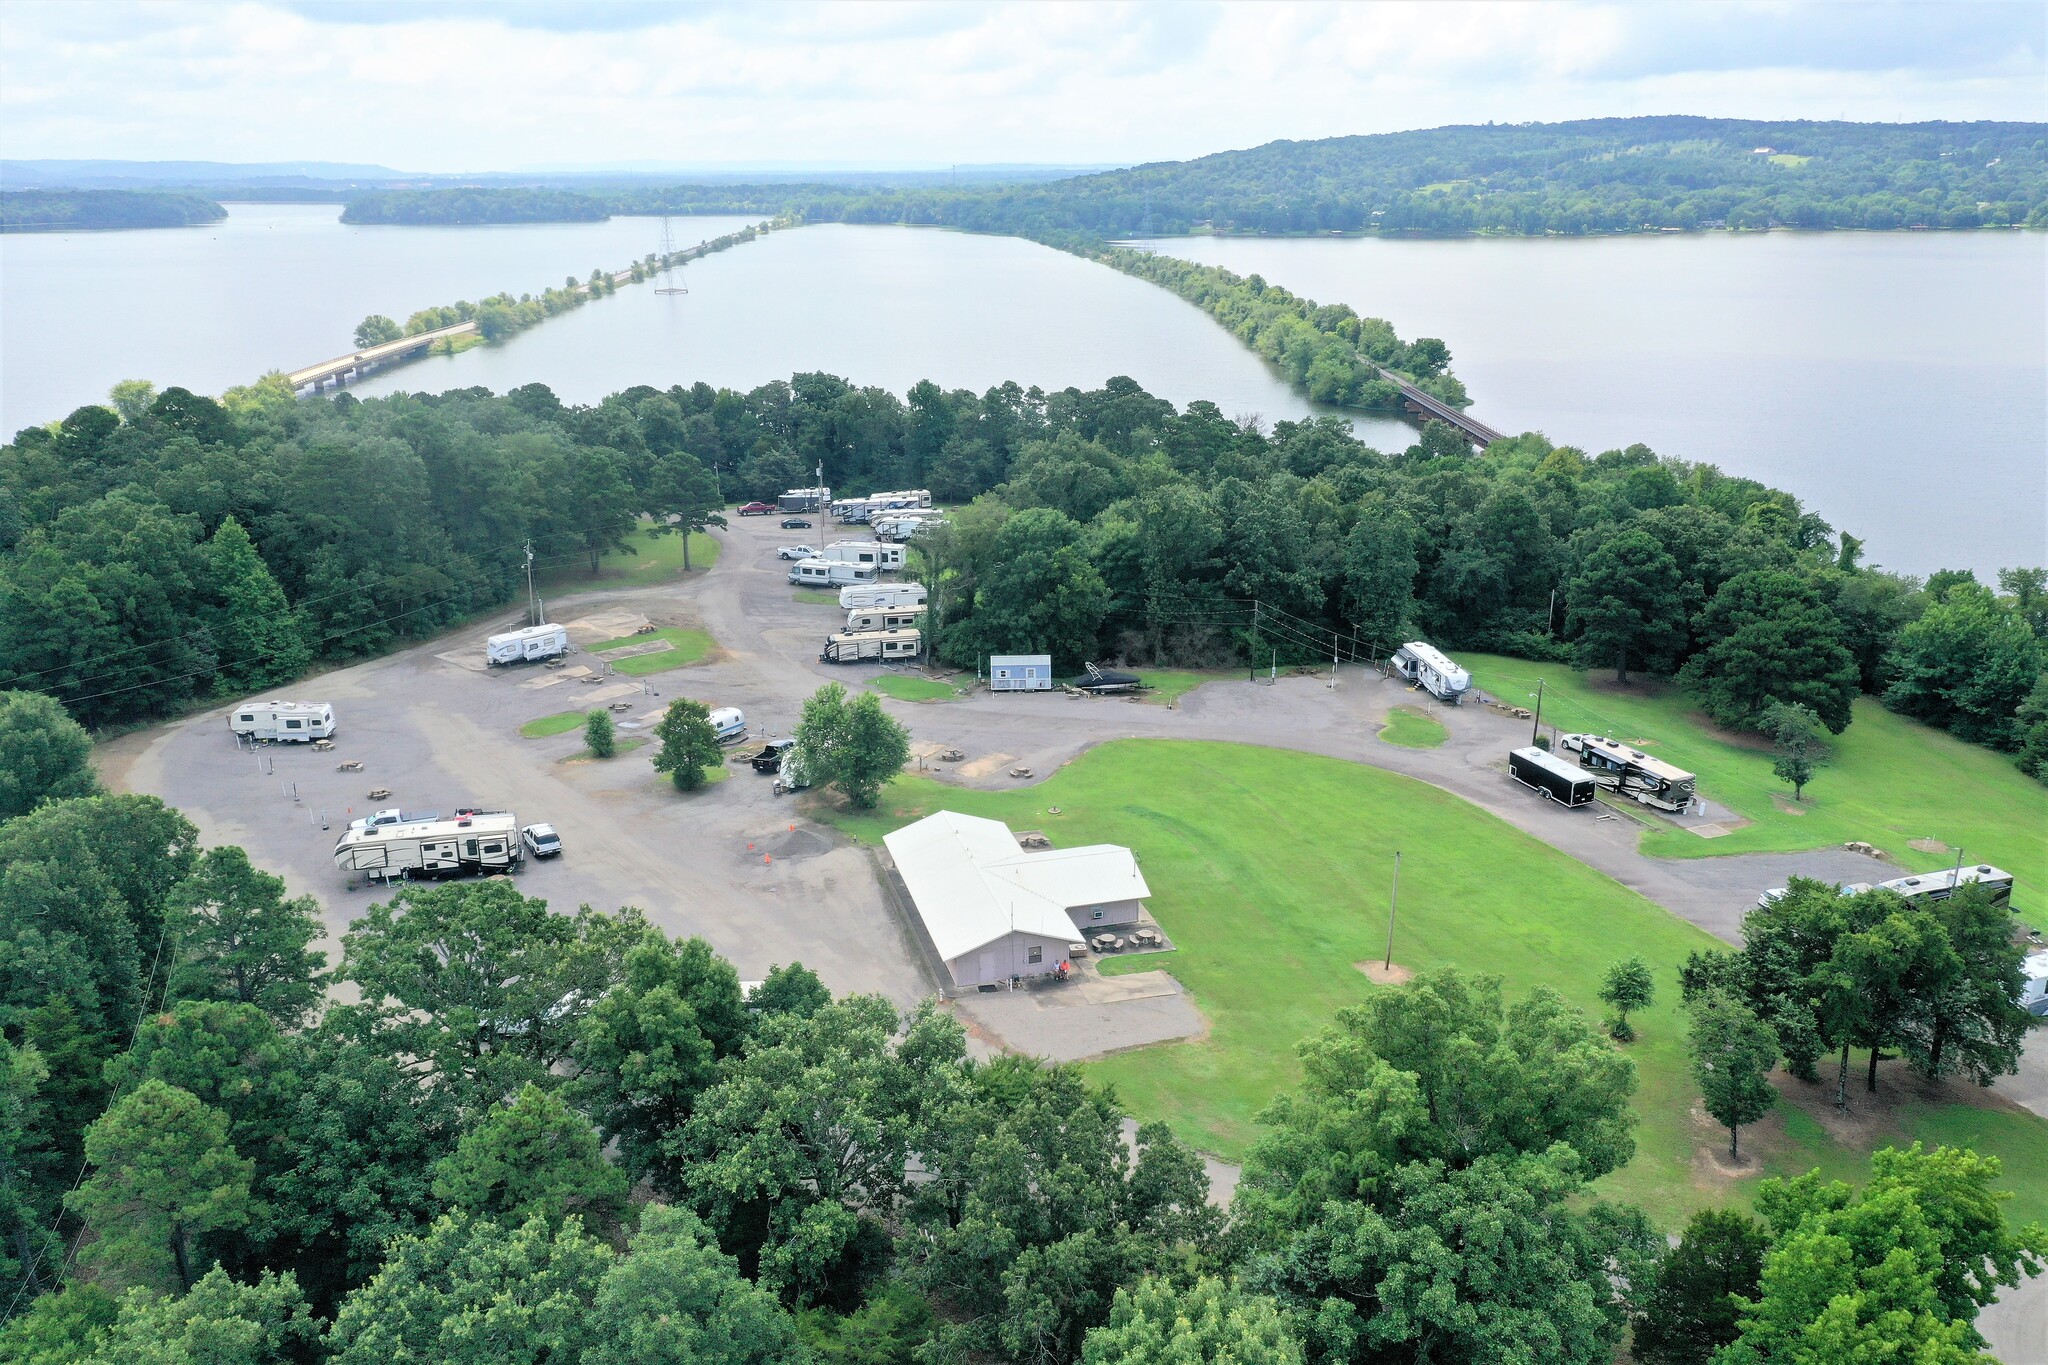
(729, 723)
(289, 722)
(882, 595)
(1020, 673)
(524, 646)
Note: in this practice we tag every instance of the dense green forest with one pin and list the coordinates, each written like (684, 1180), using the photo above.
(71, 210)
(1592, 176)
(184, 549)
(461, 207)
(520, 1137)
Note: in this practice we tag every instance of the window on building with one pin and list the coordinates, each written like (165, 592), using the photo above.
(1034, 954)
(293, 724)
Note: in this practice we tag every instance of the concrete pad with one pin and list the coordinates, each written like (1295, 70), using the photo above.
(633, 651)
(1710, 831)
(1091, 1016)
(604, 694)
(604, 625)
(545, 680)
(982, 767)
(470, 659)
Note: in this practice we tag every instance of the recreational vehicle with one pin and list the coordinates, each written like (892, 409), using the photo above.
(883, 618)
(882, 595)
(728, 723)
(1633, 773)
(2034, 994)
(804, 500)
(524, 646)
(291, 722)
(852, 552)
(1426, 667)
(1927, 886)
(464, 846)
(1553, 777)
(830, 573)
(901, 526)
(872, 646)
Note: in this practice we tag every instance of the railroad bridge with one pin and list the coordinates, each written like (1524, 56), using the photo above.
(1426, 406)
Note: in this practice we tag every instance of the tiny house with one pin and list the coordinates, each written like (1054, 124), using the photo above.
(1020, 673)
(289, 722)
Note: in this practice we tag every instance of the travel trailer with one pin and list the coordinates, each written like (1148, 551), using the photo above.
(289, 722)
(1553, 777)
(882, 595)
(524, 646)
(1428, 668)
(465, 846)
(852, 552)
(872, 646)
(729, 723)
(883, 618)
(1633, 773)
(902, 526)
(830, 573)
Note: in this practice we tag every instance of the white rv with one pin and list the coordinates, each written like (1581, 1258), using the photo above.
(729, 723)
(882, 595)
(883, 618)
(1428, 668)
(466, 845)
(830, 573)
(872, 646)
(2034, 994)
(1633, 773)
(290, 722)
(526, 645)
(903, 525)
(852, 552)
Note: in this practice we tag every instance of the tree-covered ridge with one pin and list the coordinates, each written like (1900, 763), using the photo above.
(471, 206)
(72, 210)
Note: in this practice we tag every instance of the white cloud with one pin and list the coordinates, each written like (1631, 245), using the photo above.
(454, 86)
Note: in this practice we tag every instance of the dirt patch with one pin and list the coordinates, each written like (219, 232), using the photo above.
(629, 651)
(1711, 1167)
(1929, 846)
(1384, 975)
(786, 846)
(982, 767)
(1873, 1120)
(1786, 805)
(605, 625)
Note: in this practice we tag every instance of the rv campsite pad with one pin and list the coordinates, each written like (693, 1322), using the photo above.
(635, 655)
(603, 625)
(1270, 870)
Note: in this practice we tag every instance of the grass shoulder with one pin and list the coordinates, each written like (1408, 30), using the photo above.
(905, 688)
(1412, 728)
(560, 723)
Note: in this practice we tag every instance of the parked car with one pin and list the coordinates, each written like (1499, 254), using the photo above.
(795, 524)
(795, 552)
(758, 509)
(541, 840)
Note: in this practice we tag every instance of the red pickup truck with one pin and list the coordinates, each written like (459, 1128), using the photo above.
(758, 509)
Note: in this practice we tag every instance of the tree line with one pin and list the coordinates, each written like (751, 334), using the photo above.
(567, 1138)
(178, 548)
(76, 210)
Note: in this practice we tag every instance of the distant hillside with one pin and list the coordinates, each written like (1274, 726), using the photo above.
(452, 207)
(73, 210)
(95, 174)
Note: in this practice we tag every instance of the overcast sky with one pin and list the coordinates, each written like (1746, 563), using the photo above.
(451, 86)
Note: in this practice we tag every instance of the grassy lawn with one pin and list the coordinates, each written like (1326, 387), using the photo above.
(913, 689)
(685, 647)
(812, 597)
(559, 723)
(1270, 872)
(1413, 729)
(1888, 781)
(620, 748)
(658, 559)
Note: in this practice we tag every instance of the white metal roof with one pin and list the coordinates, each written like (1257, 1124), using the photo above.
(1020, 660)
(1550, 762)
(1430, 655)
(972, 885)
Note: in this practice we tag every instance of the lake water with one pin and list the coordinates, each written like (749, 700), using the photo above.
(1895, 383)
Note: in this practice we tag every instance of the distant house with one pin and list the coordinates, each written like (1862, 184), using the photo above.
(993, 910)
(1020, 673)
(1763, 151)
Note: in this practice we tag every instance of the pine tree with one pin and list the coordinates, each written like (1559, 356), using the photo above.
(258, 638)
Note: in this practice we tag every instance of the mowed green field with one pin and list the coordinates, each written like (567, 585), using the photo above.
(913, 689)
(684, 647)
(657, 559)
(1270, 871)
(1413, 729)
(1888, 780)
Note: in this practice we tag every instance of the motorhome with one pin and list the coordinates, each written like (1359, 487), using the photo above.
(1552, 777)
(524, 646)
(1427, 667)
(1939, 886)
(872, 646)
(465, 846)
(289, 722)
(728, 723)
(882, 595)
(829, 573)
(1633, 773)
(883, 618)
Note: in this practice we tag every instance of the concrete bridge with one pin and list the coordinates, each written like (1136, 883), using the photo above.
(1426, 406)
(359, 362)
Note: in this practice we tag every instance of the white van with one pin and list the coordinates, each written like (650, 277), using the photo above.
(729, 723)
(289, 722)
(524, 646)
(882, 595)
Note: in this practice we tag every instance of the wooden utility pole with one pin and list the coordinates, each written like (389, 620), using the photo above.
(1393, 902)
(1537, 724)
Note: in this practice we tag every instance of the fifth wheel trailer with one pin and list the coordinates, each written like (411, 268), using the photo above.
(284, 721)
(867, 595)
(883, 618)
(1556, 779)
(1427, 667)
(465, 846)
(872, 646)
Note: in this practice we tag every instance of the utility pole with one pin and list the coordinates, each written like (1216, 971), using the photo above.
(1393, 901)
(1537, 724)
(1550, 615)
(1251, 673)
(536, 614)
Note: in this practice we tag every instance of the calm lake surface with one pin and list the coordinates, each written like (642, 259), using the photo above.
(1898, 384)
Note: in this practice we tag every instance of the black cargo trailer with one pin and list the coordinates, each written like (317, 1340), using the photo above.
(1552, 776)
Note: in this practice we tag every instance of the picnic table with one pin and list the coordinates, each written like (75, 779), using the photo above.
(1106, 943)
(1147, 938)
